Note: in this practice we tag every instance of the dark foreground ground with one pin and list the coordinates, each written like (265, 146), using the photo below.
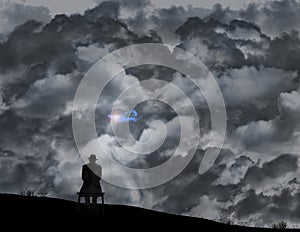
(43, 213)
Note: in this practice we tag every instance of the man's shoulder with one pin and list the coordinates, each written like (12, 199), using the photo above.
(92, 165)
(98, 165)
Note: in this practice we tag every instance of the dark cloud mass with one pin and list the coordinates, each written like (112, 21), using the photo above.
(254, 55)
(13, 14)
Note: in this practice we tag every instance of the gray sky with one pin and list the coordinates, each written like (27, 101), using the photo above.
(79, 6)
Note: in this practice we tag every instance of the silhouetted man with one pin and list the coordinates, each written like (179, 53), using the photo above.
(91, 176)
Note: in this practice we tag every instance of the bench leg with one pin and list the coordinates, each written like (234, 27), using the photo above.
(78, 205)
(102, 199)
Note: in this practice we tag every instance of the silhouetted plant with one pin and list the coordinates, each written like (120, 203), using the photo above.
(294, 227)
(32, 193)
(42, 194)
(27, 192)
(280, 226)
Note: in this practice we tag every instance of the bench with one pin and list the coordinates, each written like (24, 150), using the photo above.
(84, 195)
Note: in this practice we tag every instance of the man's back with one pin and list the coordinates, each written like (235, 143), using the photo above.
(91, 175)
(95, 168)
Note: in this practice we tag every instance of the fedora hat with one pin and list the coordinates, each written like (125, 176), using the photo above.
(92, 157)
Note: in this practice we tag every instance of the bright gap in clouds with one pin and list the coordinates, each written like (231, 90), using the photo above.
(116, 117)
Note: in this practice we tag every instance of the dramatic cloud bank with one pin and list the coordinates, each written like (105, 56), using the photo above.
(254, 55)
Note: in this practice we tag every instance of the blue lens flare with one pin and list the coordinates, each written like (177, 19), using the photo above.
(119, 117)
